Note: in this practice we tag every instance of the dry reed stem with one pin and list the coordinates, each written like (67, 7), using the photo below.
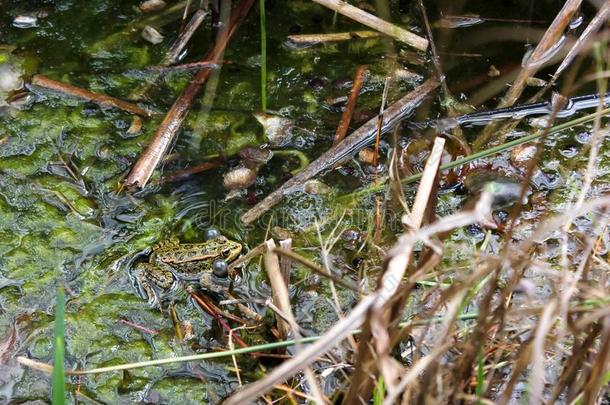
(101, 99)
(376, 23)
(600, 18)
(279, 289)
(549, 39)
(531, 67)
(173, 53)
(314, 267)
(282, 298)
(169, 127)
(537, 380)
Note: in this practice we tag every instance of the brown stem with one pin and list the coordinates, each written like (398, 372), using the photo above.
(346, 117)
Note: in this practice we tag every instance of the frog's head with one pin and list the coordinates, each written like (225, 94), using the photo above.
(229, 249)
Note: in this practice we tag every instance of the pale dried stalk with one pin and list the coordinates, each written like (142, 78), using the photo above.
(376, 23)
(600, 18)
(539, 354)
(282, 298)
(312, 39)
(279, 289)
(174, 52)
(415, 218)
(355, 318)
(286, 261)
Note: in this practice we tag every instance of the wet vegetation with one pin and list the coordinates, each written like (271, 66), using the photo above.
(304, 201)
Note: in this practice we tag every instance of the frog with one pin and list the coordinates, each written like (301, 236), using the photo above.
(171, 261)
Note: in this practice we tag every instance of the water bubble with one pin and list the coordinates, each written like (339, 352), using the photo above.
(569, 151)
(211, 233)
(220, 268)
(24, 21)
(583, 137)
(576, 22)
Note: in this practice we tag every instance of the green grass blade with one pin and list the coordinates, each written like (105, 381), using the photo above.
(263, 57)
(59, 384)
(480, 390)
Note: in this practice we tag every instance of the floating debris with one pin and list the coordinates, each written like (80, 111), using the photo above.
(152, 35)
(136, 126)
(493, 71)
(367, 155)
(25, 21)
(239, 179)
(150, 6)
(522, 155)
(10, 78)
(277, 129)
(254, 157)
(316, 187)
(535, 82)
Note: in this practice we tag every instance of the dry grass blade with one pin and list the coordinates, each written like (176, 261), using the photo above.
(278, 287)
(600, 18)
(314, 267)
(304, 358)
(282, 298)
(539, 354)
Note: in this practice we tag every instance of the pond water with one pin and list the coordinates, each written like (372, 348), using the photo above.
(65, 221)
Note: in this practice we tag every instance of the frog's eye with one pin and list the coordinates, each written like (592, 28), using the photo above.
(226, 252)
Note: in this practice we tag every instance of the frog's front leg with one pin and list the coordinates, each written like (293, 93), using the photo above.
(147, 273)
(212, 283)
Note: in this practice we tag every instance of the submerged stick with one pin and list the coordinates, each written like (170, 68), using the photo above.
(350, 145)
(346, 117)
(174, 52)
(376, 23)
(101, 99)
(168, 130)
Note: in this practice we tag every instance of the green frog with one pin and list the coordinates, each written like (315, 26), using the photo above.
(170, 261)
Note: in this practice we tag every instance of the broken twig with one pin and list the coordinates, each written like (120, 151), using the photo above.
(346, 117)
(101, 99)
(376, 23)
